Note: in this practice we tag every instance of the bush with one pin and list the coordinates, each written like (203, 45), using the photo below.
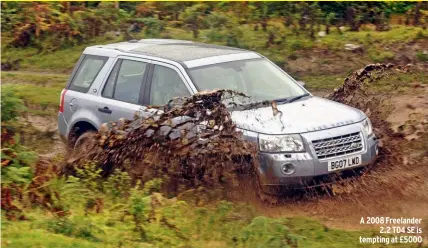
(50, 26)
(11, 105)
(15, 158)
(296, 45)
(152, 26)
(78, 227)
(118, 184)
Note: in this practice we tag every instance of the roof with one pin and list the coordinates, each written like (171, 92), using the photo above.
(176, 50)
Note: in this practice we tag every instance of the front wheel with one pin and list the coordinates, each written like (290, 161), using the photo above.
(272, 189)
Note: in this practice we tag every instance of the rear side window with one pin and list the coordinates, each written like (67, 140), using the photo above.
(87, 72)
(125, 81)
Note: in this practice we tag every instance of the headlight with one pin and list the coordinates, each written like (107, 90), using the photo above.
(280, 143)
(368, 126)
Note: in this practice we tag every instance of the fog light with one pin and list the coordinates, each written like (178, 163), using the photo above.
(377, 151)
(288, 169)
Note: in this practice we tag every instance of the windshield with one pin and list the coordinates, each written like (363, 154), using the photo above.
(257, 78)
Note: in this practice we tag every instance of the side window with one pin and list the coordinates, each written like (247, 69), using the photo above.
(166, 84)
(125, 81)
(87, 72)
(109, 86)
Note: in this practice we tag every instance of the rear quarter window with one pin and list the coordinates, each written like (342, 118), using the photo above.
(88, 70)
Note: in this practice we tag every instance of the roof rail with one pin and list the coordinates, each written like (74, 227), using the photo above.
(164, 41)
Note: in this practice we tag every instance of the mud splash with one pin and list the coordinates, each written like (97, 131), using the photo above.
(393, 147)
(189, 142)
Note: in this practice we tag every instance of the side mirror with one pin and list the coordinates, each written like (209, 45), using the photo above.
(303, 84)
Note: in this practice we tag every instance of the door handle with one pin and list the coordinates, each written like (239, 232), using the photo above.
(105, 110)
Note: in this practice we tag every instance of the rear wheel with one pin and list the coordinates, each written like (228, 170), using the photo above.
(82, 139)
(76, 150)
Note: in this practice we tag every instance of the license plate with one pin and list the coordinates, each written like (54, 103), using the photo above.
(343, 163)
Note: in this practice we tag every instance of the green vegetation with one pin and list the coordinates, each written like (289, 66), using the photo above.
(323, 82)
(382, 57)
(280, 31)
(39, 92)
(220, 225)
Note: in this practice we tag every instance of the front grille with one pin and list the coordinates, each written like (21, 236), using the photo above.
(339, 145)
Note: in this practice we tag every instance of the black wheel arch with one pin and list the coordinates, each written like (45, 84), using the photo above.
(78, 129)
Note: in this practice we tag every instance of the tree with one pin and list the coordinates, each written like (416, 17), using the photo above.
(329, 19)
(314, 16)
(417, 15)
(351, 18)
(193, 18)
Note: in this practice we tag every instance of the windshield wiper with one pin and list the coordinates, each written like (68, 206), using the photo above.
(282, 100)
(288, 100)
(298, 97)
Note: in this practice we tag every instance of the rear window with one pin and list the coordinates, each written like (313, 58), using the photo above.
(87, 72)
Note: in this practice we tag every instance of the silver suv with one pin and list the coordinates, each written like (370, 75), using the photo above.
(304, 138)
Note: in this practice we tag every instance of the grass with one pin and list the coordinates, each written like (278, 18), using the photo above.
(401, 34)
(41, 97)
(218, 225)
(400, 82)
(44, 79)
(60, 61)
(22, 235)
(396, 82)
(40, 92)
(381, 57)
(324, 82)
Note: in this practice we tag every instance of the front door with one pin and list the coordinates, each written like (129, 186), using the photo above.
(165, 83)
(122, 93)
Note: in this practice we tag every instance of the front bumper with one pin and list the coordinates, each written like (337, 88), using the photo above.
(306, 164)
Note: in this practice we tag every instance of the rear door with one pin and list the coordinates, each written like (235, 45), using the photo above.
(122, 94)
(81, 89)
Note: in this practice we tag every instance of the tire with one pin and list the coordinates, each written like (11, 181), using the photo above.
(272, 190)
(82, 138)
(269, 194)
